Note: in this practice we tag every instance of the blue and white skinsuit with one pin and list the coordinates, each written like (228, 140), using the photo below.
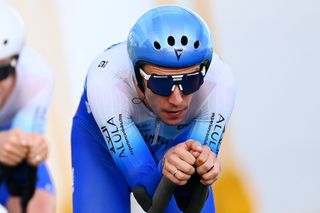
(118, 143)
(27, 107)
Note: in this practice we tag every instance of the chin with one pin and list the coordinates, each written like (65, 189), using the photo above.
(172, 122)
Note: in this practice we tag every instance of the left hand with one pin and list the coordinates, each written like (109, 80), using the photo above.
(38, 149)
(207, 166)
(178, 162)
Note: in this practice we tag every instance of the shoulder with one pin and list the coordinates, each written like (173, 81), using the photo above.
(32, 64)
(109, 84)
(220, 73)
(218, 91)
(110, 76)
(112, 66)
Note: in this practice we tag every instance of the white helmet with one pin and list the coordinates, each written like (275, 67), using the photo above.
(12, 31)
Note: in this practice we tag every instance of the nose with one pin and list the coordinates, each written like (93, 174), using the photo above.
(176, 96)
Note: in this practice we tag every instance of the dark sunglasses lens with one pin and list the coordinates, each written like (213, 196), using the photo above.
(160, 85)
(4, 72)
(191, 83)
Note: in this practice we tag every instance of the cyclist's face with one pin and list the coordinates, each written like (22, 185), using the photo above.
(170, 109)
(6, 85)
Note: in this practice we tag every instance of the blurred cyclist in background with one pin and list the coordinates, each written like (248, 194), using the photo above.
(26, 85)
(155, 105)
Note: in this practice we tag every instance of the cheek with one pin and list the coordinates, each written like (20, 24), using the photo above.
(187, 99)
(3, 85)
(150, 97)
(153, 100)
(6, 86)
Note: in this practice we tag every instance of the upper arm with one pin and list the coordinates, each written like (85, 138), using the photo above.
(215, 112)
(36, 88)
(108, 97)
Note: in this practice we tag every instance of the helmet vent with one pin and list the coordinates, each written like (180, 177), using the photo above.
(168, 36)
(184, 40)
(5, 41)
(196, 44)
(171, 40)
(157, 45)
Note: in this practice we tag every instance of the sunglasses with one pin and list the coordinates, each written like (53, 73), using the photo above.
(7, 69)
(164, 85)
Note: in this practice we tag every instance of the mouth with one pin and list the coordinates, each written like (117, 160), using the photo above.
(174, 114)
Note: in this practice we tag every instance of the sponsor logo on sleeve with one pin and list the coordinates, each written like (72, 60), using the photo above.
(215, 131)
(116, 137)
(103, 64)
(39, 119)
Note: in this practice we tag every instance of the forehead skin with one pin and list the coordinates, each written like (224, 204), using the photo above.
(153, 69)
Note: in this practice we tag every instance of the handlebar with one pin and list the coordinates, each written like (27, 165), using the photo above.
(165, 191)
(20, 180)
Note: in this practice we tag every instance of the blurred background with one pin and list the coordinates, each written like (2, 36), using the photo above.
(270, 159)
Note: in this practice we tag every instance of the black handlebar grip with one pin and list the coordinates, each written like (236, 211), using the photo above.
(162, 196)
(198, 198)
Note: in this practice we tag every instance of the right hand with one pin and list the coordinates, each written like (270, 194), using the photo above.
(13, 147)
(178, 161)
(38, 149)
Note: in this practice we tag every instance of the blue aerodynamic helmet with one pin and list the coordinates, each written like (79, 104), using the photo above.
(169, 36)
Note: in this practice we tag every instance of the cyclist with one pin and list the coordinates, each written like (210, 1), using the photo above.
(26, 85)
(154, 105)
